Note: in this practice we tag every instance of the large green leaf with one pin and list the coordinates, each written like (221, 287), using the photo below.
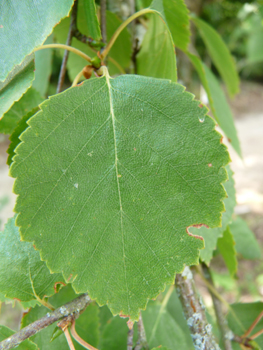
(226, 246)
(175, 14)
(211, 235)
(6, 332)
(217, 101)
(246, 313)
(115, 334)
(220, 55)
(121, 168)
(120, 52)
(14, 138)
(16, 84)
(157, 55)
(24, 26)
(246, 243)
(22, 274)
(92, 19)
(29, 100)
(43, 62)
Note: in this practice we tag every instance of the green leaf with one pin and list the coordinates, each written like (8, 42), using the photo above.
(6, 332)
(211, 235)
(16, 84)
(246, 313)
(175, 14)
(115, 334)
(161, 328)
(226, 246)
(123, 164)
(246, 243)
(14, 138)
(221, 110)
(43, 62)
(28, 278)
(220, 55)
(156, 58)
(10, 120)
(24, 26)
(92, 19)
(120, 52)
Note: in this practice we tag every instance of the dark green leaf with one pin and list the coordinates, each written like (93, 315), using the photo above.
(115, 334)
(43, 62)
(211, 235)
(14, 138)
(175, 14)
(16, 84)
(157, 55)
(6, 332)
(24, 26)
(220, 55)
(92, 19)
(226, 246)
(246, 243)
(246, 314)
(10, 120)
(28, 278)
(121, 168)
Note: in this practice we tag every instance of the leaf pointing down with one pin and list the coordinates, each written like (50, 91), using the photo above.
(109, 175)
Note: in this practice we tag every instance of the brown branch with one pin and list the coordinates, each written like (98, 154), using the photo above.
(201, 330)
(103, 7)
(226, 333)
(141, 342)
(73, 307)
(130, 339)
(72, 27)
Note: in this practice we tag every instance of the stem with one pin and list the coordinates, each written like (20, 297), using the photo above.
(253, 325)
(62, 72)
(224, 329)
(65, 47)
(73, 307)
(141, 342)
(121, 27)
(130, 339)
(78, 339)
(201, 330)
(103, 7)
(69, 340)
(77, 78)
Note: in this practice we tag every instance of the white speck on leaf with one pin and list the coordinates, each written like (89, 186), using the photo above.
(76, 185)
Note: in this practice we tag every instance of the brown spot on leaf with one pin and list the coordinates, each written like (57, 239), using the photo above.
(196, 226)
(210, 164)
(57, 286)
(221, 140)
(200, 105)
(229, 140)
(70, 276)
(1, 26)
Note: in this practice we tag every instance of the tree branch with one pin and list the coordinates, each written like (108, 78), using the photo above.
(201, 330)
(130, 339)
(103, 7)
(72, 28)
(226, 333)
(73, 307)
(141, 342)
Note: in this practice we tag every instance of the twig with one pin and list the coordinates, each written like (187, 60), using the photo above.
(79, 339)
(73, 307)
(201, 330)
(69, 340)
(103, 7)
(141, 342)
(72, 27)
(253, 325)
(226, 333)
(130, 339)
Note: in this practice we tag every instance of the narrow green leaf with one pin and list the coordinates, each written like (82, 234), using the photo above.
(14, 138)
(156, 57)
(211, 235)
(217, 102)
(220, 55)
(28, 278)
(6, 332)
(28, 101)
(16, 84)
(226, 246)
(175, 14)
(123, 164)
(23, 28)
(120, 52)
(92, 19)
(246, 313)
(43, 63)
(161, 328)
(246, 243)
